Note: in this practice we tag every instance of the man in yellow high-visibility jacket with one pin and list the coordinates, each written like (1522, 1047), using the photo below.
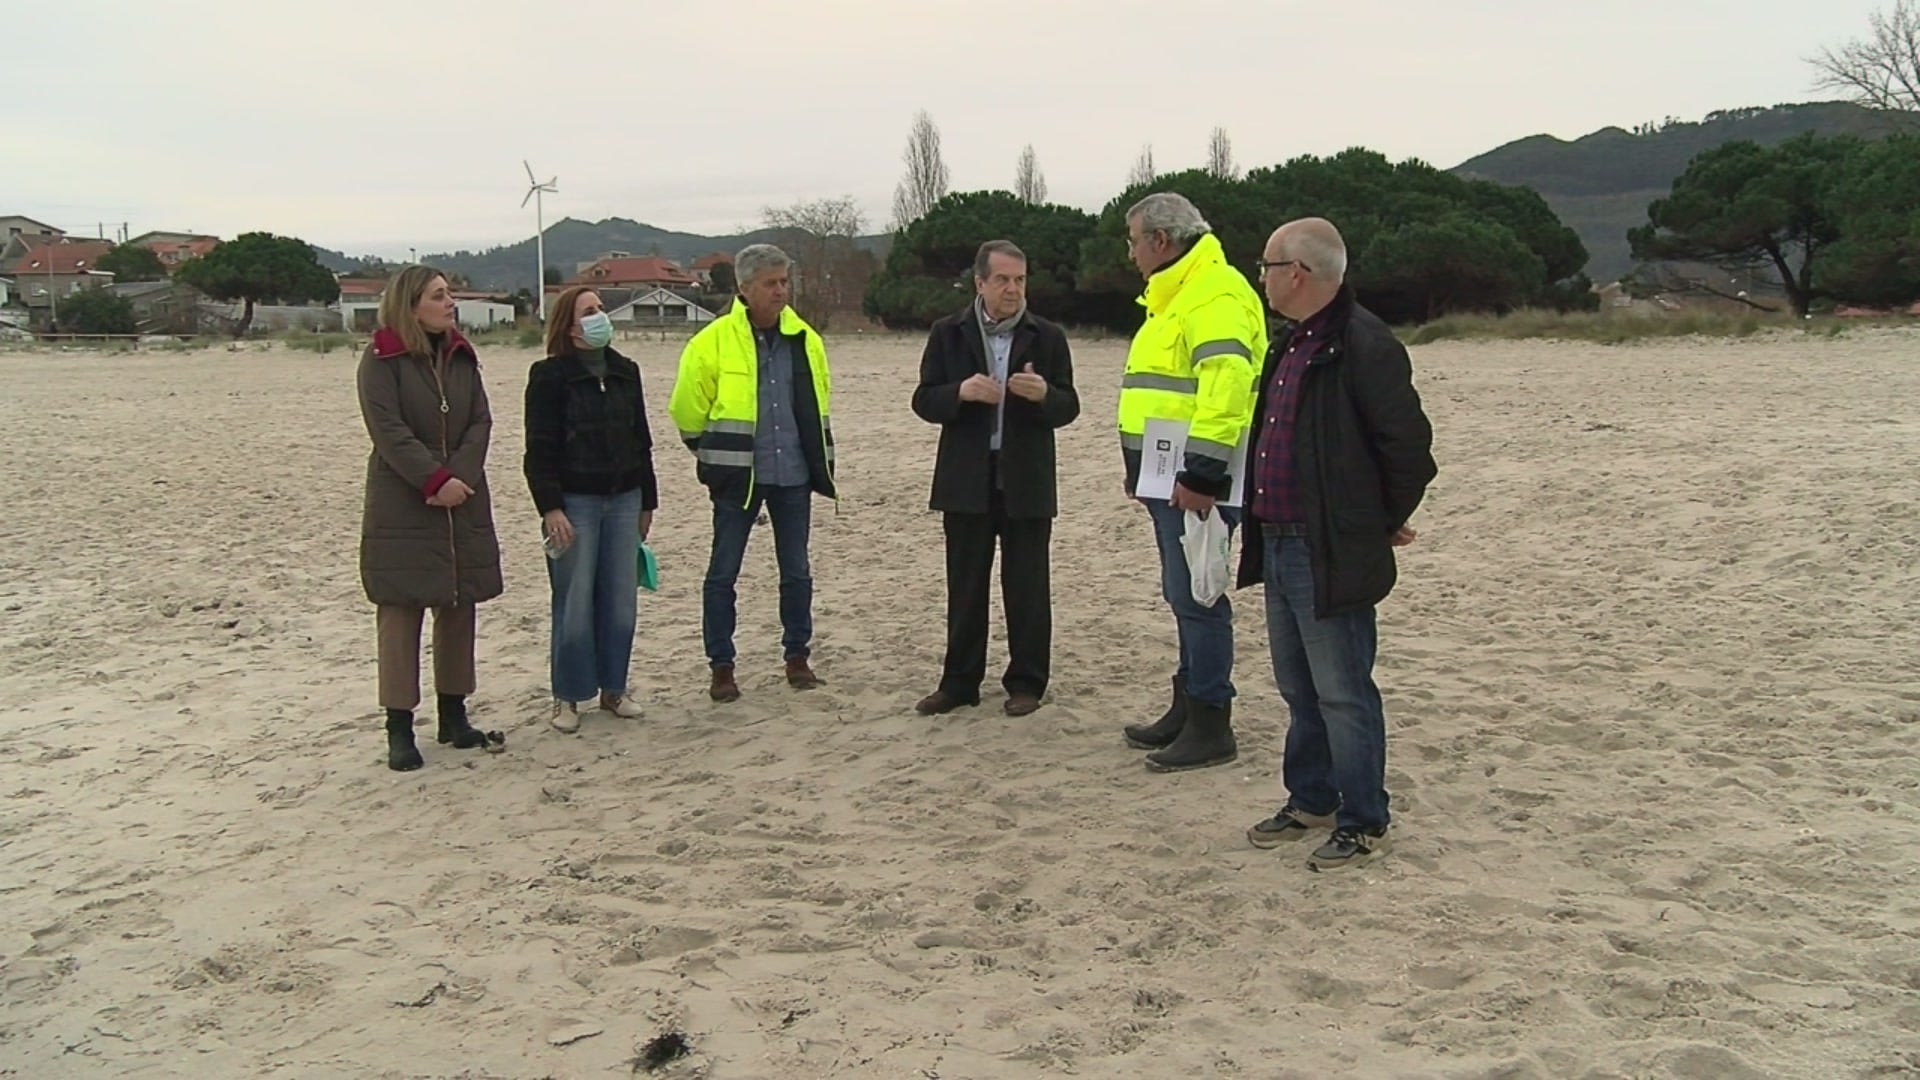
(752, 403)
(1191, 363)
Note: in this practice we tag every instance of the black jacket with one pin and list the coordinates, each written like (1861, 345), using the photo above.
(1364, 451)
(956, 351)
(586, 435)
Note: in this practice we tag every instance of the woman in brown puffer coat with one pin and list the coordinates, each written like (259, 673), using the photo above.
(426, 534)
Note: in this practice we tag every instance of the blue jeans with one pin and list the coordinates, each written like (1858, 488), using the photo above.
(791, 509)
(596, 586)
(1336, 756)
(1206, 634)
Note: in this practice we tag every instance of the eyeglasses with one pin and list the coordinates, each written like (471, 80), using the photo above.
(1265, 266)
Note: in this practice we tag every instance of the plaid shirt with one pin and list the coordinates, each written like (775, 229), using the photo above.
(1276, 483)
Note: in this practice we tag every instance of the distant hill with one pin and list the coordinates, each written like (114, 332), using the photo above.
(1600, 184)
(571, 242)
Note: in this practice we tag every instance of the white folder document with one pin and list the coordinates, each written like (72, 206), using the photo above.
(1163, 452)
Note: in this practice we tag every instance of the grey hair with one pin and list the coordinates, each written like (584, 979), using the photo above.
(1171, 213)
(757, 257)
(983, 260)
(1317, 244)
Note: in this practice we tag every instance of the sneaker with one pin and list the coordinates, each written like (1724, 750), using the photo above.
(622, 705)
(566, 717)
(1290, 824)
(1349, 848)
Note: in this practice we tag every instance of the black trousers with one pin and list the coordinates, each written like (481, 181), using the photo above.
(1025, 590)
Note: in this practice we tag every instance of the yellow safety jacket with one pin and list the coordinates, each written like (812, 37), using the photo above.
(1194, 361)
(716, 402)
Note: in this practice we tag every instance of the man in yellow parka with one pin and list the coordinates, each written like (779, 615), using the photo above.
(1192, 363)
(751, 402)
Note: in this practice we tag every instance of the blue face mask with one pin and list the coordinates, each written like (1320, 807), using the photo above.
(596, 330)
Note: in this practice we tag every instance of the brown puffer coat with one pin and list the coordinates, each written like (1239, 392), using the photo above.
(413, 554)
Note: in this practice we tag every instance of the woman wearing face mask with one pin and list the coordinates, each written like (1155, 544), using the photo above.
(589, 464)
(426, 534)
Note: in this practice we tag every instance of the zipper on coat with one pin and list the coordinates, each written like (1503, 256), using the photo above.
(446, 452)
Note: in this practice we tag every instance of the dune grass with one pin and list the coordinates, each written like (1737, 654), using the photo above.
(1604, 329)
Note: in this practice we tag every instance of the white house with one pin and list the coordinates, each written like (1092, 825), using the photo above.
(658, 307)
(482, 314)
(359, 304)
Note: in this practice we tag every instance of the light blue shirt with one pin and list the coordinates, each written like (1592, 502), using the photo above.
(1000, 348)
(779, 459)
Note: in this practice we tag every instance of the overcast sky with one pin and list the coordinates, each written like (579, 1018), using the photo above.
(372, 127)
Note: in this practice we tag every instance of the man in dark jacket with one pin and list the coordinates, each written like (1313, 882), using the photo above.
(998, 379)
(1342, 456)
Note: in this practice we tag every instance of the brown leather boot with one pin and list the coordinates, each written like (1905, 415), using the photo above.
(800, 676)
(724, 688)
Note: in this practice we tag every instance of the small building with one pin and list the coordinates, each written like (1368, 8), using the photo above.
(6, 291)
(175, 248)
(619, 268)
(475, 313)
(161, 307)
(19, 235)
(703, 267)
(660, 307)
(359, 304)
(50, 271)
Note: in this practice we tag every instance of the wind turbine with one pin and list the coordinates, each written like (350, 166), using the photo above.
(534, 190)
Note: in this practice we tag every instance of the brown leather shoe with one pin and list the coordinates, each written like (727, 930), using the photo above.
(724, 688)
(940, 701)
(1022, 704)
(800, 676)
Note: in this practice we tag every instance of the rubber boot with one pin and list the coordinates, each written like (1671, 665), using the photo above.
(402, 755)
(454, 727)
(1163, 731)
(1206, 740)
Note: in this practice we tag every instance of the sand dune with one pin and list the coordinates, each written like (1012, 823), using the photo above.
(1651, 688)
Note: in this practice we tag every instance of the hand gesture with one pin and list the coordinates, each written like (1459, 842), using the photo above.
(1028, 385)
(980, 389)
(451, 494)
(560, 530)
(1402, 536)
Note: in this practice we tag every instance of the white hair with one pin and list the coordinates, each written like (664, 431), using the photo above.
(1321, 251)
(1170, 213)
(757, 257)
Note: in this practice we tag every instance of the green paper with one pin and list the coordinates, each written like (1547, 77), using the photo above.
(649, 569)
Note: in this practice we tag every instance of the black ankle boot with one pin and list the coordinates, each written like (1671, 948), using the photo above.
(1206, 740)
(455, 729)
(402, 755)
(1163, 731)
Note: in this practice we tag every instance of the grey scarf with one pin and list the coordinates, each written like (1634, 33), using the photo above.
(988, 327)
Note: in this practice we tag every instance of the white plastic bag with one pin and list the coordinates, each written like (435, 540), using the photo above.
(1207, 544)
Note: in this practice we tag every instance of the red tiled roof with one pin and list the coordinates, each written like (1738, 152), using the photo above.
(650, 270)
(367, 287)
(708, 262)
(74, 258)
(173, 253)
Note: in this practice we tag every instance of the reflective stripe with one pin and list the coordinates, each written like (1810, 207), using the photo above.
(1206, 448)
(1170, 383)
(737, 427)
(1132, 442)
(1225, 347)
(738, 458)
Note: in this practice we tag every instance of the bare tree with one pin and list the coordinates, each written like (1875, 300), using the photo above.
(926, 180)
(1882, 70)
(830, 270)
(1142, 168)
(1028, 183)
(1220, 156)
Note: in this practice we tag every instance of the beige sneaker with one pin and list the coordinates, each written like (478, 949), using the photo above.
(566, 717)
(623, 705)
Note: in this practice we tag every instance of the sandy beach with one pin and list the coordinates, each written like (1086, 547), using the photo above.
(1651, 690)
